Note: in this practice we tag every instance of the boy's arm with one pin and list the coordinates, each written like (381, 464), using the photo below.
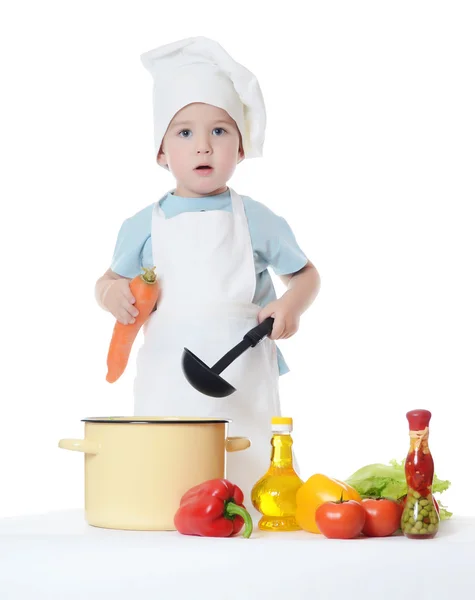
(302, 289)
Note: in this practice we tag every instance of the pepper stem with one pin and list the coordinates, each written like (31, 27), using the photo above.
(234, 509)
(148, 275)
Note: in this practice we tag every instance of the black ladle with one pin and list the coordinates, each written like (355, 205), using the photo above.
(207, 380)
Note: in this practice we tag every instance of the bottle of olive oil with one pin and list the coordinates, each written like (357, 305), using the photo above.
(274, 494)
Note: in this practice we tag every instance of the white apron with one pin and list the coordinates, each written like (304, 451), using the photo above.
(206, 267)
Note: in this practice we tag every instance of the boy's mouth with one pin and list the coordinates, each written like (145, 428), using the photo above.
(204, 169)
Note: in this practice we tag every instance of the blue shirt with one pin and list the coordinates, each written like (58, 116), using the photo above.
(273, 242)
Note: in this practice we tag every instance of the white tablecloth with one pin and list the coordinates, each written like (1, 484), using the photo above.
(57, 556)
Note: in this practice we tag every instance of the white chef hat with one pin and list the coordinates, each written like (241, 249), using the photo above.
(198, 69)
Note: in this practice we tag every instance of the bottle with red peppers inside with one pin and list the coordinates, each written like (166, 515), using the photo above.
(420, 518)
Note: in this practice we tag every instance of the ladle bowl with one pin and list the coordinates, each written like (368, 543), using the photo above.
(208, 380)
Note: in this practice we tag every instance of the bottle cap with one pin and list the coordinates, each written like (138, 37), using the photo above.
(282, 421)
(282, 424)
(418, 419)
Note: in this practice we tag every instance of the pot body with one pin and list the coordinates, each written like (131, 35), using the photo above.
(137, 469)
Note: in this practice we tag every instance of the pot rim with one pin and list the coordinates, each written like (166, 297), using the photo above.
(155, 420)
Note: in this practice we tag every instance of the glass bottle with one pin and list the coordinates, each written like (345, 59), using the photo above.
(420, 517)
(274, 494)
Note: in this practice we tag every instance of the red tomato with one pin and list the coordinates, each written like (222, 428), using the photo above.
(340, 520)
(383, 516)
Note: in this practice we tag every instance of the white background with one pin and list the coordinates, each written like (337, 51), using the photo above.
(370, 157)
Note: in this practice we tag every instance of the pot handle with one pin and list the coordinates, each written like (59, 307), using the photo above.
(86, 446)
(235, 444)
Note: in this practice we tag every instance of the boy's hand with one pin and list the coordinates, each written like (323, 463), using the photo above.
(119, 300)
(286, 319)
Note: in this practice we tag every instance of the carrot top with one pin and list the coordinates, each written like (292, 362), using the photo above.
(148, 275)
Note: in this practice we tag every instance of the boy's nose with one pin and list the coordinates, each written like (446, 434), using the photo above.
(203, 146)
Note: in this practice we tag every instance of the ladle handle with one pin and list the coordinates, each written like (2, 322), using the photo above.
(260, 331)
(251, 339)
(229, 357)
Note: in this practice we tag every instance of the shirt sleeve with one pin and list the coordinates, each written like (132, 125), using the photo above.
(273, 240)
(133, 240)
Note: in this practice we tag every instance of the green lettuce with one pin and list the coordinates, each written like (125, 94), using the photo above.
(389, 481)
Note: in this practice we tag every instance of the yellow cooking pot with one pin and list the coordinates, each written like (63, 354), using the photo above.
(138, 468)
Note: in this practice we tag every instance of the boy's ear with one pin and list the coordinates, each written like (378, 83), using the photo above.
(240, 154)
(161, 160)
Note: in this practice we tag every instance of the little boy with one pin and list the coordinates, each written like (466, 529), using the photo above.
(211, 248)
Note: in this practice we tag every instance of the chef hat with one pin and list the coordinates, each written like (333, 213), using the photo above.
(200, 70)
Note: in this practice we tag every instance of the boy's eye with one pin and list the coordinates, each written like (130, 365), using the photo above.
(185, 133)
(218, 131)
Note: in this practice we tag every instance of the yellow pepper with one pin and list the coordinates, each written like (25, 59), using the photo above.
(314, 492)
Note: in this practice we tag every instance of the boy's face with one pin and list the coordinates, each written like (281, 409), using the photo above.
(201, 134)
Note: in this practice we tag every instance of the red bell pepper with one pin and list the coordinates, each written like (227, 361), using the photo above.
(213, 509)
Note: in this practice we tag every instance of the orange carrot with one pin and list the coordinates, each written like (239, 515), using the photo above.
(146, 290)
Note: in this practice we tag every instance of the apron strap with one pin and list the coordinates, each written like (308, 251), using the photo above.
(159, 203)
(238, 206)
(242, 229)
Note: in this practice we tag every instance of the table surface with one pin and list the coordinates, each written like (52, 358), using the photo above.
(59, 556)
